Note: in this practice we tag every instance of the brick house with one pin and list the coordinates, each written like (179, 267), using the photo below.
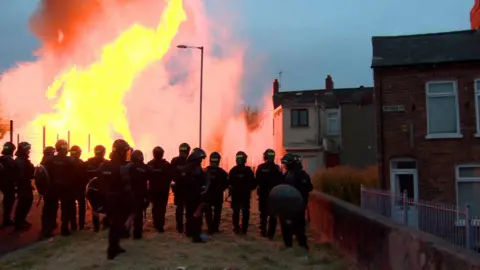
(310, 123)
(427, 90)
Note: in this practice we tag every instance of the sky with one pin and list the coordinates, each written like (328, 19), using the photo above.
(305, 41)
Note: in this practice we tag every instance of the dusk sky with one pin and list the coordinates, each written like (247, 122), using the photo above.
(307, 41)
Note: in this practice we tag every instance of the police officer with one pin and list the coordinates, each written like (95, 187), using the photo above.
(159, 187)
(80, 182)
(138, 176)
(7, 182)
(268, 176)
(179, 184)
(119, 200)
(298, 178)
(218, 179)
(241, 184)
(49, 196)
(23, 181)
(197, 186)
(92, 165)
(61, 171)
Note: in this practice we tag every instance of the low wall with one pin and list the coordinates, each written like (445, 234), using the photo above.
(374, 242)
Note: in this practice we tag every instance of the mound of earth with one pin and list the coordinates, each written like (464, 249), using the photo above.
(86, 250)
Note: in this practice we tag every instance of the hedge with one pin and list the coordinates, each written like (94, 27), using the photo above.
(344, 182)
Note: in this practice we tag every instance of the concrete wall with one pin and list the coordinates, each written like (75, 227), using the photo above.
(301, 136)
(374, 242)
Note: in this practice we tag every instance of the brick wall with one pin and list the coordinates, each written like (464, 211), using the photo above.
(436, 158)
(373, 242)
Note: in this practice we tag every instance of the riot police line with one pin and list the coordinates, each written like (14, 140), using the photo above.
(122, 187)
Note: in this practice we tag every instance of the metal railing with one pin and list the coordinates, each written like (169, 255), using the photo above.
(453, 224)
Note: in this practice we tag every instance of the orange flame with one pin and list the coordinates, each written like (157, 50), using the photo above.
(118, 78)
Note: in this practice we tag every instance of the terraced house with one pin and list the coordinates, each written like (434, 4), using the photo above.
(327, 127)
(427, 96)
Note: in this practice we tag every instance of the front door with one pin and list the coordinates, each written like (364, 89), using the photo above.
(404, 180)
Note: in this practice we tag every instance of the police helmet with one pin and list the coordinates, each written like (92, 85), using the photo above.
(241, 157)
(158, 152)
(269, 155)
(197, 155)
(23, 149)
(289, 159)
(137, 156)
(75, 151)
(120, 149)
(8, 148)
(184, 148)
(215, 158)
(99, 151)
(49, 151)
(61, 146)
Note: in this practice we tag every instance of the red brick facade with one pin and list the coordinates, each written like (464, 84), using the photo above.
(436, 158)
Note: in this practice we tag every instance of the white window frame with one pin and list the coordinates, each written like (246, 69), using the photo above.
(461, 221)
(477, 108)
(337, 112)
(456, 134)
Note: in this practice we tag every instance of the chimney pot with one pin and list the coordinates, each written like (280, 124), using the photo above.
(329, 83)
(276, 86)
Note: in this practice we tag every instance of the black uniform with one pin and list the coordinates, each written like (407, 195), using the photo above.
(268, 176)
(298, 178)
(92, 165)
(80, 182)
(242, 182)
(197, 185)
(61, 171)
(179, 185)
(120, 199)
(7, 181)
(159, 187)
(139, 173)
(48, 193)
(218, 183)
(23, 183)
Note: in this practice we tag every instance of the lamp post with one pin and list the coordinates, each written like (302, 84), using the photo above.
(201, 88)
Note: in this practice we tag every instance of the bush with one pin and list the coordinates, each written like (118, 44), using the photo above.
(344, 182)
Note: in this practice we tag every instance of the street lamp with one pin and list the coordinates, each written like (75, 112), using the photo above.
(201, 88)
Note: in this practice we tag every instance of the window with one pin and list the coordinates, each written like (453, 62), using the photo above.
(468, 188)
(333, 123)
(299, 118)
(477, 104)
(442, 110)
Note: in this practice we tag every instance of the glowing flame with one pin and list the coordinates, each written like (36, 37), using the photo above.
(111, 73)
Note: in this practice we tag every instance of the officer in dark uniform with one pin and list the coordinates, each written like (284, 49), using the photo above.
(81, 182)
(179, 184)
(7, 182)
(298, 178)
(61, 171)
(218, 179)
(139, 173)
(242, 182)
(268, 176)
(23, 182)
(159, 187)
(115, 182)
(196, 188)
(92, 165)
(48, 193)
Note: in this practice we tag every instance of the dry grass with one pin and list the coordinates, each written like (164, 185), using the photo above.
(345, 182)
(86, 250)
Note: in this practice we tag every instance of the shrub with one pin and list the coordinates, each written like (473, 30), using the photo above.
(345, 182)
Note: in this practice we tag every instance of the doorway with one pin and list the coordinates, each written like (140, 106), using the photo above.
(404, 178)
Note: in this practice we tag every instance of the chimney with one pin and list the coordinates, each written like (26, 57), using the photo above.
(475, 15)
(328, 83)
(276, 86)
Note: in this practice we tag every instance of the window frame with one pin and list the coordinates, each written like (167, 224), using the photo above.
(337, 112)
(298, 110)
(476, 93)
(456, 134)
(458, 179)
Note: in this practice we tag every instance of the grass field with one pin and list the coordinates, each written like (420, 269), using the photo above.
(86, 250)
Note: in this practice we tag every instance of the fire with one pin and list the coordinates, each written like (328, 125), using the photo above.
(116, 74)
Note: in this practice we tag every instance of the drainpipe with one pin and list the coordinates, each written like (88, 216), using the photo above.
(383, 177)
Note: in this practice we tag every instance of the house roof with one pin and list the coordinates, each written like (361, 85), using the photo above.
(459, 46)
(330, 99)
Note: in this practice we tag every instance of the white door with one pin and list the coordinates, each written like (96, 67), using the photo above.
(404, 178)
